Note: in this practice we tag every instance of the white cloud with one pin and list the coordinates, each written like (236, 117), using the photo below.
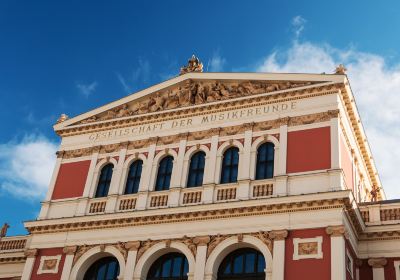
(298, 24)
(140, 75)
(26, 167)
(376, 87)
(216, 64)
(87, 89)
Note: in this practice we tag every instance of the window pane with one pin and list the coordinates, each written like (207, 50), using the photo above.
(260, 263)
(176, 270)
(166, 268)
(250, 263)
(238, 264)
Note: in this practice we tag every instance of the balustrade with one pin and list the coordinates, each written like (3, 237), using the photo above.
(12, 244)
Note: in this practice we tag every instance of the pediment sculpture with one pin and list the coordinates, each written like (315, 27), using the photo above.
(192, 92)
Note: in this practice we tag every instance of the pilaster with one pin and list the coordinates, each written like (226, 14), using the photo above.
(378, 270)
(338, 252)
(282, 153)
(201, 256)
(278, 261)
(132, 248)
(209, 176)
(244, 162)
(69, 258)
(30, 261)
(335, 143)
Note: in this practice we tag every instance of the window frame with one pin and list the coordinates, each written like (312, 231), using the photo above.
(164, 187)
(159, 263)
(264, 162)
(104, 183)
(197, 172)
(98, 263)
(135, 178)
(231, 166)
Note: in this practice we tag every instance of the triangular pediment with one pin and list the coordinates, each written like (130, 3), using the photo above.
(195, 89)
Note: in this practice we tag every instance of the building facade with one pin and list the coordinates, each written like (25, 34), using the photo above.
(214, 176)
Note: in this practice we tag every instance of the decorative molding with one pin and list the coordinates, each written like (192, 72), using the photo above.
(70, 250)
(278, 234)
(31, 253)
(198, 135)
(201, 240)
(195, 111)
(49, 264)
(307, 248)
(335, 230)
(192, 216)
(377, 262)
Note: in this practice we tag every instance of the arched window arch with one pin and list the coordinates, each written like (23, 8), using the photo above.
(134, 175)
(164, 173)
(230, 164)
(196, 169)
(244, 264)
(104, 180)
(103, 269)
(265, 161)
(172, 266)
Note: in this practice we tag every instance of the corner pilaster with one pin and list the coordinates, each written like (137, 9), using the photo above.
(338, 252)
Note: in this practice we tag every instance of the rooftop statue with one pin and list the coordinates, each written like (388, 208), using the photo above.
(194, 65)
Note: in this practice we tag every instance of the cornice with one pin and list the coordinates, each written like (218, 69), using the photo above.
(245, 211)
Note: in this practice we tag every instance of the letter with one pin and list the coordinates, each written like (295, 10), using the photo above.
(234, 115)
(93, 136)
(284, 107)
(242, 113)
(266, 109)
(249, 112)
(204, 119)
(221, 117)
(258, 111)
(275, 108)
(293, 105)
(213, 118)
(174, 124)
(161, 125)
(189, 122)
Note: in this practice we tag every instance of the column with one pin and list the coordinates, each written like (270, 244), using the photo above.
(81, 210)
(69, 252)
(201, 256)
(280, 187)
(278, 261)
(116, 180)
(244, 167)
(30, 261)
(145, 180)
(378, 270)
(132, 248)
(338, 252)
(209, 176)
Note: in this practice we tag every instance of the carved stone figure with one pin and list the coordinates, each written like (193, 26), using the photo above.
(194, 65)
(4, 229)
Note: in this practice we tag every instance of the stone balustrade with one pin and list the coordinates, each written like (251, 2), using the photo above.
(14, 243)
(381, 212)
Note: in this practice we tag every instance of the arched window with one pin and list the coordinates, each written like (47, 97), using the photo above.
(230, 164)
(172, 266)
(104, 269)
(265, 161)
(133, 180)
(164, 173)
(196, 169)
(244, 264)
(104, 180)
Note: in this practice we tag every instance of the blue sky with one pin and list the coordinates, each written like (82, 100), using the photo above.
(71, 56)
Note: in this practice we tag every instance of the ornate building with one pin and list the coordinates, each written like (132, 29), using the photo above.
(214, 176)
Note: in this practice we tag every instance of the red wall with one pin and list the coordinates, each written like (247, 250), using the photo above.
(310, 269)
(366, 271)
(48, 276)
(347, 165)
(71, 180)
(309, 150)
(390, 272)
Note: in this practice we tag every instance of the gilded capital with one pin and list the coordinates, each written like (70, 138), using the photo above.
(31, 253)
(132, 245)
(335, 230)
(201, 240)
(377, 262)
(70, 250)
(278, 234)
